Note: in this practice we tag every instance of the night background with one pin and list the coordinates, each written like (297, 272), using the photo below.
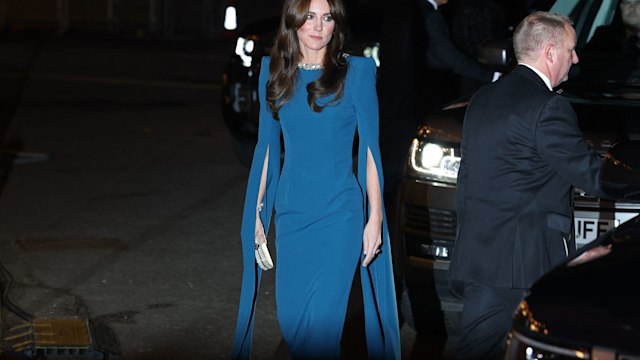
(121, 192)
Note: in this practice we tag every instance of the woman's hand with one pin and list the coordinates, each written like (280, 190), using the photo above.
(372, 237)
(259, 235)
(371, 240)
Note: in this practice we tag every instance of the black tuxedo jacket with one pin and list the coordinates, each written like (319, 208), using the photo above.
(441, 52)
(522, 153)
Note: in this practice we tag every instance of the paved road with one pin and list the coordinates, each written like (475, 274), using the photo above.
(129, 213)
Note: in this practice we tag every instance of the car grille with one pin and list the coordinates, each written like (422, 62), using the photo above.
(430, 220)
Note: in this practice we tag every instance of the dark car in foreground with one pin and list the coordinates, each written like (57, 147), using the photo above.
(604, 90)
(589, 310)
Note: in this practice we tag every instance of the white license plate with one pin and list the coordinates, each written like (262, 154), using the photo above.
(588, 229)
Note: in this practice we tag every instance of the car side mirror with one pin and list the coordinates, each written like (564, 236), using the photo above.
(620, 171)
(497, 53)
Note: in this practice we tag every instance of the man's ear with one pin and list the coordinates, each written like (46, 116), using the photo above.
(550, 53)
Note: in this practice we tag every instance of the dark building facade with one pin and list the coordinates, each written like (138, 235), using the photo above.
(142, 18)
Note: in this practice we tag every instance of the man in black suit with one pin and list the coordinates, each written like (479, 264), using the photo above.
(442, 54)
(522, 153)
(472, 23)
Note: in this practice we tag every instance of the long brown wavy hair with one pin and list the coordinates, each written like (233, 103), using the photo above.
(286, 54)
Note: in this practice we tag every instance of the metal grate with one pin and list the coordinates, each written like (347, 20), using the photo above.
(54, 336)
(61, 338)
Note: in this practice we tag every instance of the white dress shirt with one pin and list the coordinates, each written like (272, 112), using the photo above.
(542, 76)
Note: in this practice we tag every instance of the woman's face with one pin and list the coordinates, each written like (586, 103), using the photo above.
(316, 32)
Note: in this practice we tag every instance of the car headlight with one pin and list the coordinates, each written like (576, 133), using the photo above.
(529, 340)
(434, 162)
(244, 49)
(521, 347)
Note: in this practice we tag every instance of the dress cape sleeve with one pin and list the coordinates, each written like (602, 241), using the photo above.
(381, 311)
(268, 139)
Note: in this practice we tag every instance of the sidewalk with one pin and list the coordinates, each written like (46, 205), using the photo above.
(131, 221)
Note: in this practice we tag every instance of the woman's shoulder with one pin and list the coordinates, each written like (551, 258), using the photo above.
(359, 61)
(360, 66)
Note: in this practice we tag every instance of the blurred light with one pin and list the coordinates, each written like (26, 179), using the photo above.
(431, 155)
(249, 46)
(230, 18)
(372, 52)
(244, 48)
(529, 353)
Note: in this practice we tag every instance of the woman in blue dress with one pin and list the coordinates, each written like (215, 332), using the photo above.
(328, 221)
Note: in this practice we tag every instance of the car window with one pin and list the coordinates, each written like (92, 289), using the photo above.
(603, 17)
(564, 7)
(587, 15)
(608, 67)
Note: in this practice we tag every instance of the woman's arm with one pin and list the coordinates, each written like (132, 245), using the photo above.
(372, 238)
(260, 236)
